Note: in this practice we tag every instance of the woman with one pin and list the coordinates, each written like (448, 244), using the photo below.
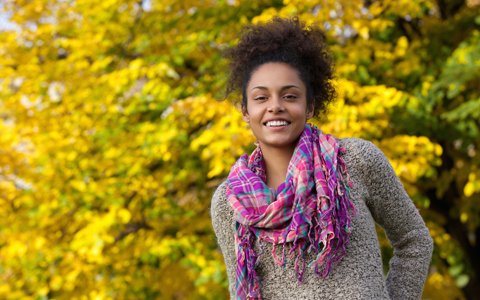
(296, 218)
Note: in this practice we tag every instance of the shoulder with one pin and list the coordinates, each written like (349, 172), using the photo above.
(220, 193)
(359, 147)
(219, 205)
(360, 152)
(367, 163)
(222, 219)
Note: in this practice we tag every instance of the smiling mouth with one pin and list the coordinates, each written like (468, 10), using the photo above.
(276, 123)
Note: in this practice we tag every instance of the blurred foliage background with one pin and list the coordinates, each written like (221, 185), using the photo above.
(113, 138)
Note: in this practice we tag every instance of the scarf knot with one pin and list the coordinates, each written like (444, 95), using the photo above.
(311, 211)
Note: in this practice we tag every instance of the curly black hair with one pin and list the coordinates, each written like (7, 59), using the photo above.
(288, 41)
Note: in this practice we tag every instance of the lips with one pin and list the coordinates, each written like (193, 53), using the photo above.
(276, 123)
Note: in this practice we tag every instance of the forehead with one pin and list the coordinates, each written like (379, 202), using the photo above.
(275, 74)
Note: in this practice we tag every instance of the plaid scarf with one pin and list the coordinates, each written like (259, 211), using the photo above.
(311, 210)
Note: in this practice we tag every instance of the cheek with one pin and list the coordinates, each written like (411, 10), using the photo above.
(253, 111)
(301, 110)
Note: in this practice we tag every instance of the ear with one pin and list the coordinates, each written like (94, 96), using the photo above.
(245, 115)
(310, 111)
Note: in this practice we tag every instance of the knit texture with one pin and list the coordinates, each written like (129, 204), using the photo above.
(309, 210)
(378, 197)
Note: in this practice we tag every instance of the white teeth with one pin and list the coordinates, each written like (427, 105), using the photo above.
(276, 123)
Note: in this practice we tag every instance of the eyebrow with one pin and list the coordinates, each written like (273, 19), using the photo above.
(286, 87)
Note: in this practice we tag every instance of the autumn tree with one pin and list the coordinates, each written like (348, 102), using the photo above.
(113, 137)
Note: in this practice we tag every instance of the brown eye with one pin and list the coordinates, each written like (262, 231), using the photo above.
(290, 97)
(260, 98)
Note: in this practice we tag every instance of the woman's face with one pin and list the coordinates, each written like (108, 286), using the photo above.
(276, 105)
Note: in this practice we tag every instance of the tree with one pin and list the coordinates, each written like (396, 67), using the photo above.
(113, 138)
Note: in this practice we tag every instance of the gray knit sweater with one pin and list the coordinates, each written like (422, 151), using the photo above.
(379, 197)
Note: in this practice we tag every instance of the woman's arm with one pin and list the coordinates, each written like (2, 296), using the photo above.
(222, 221)
(393, 209)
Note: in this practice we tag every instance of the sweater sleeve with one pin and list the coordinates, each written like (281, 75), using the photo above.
(392, 209)
(223, 226)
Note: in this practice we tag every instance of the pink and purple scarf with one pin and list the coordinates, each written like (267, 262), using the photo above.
(312, 210)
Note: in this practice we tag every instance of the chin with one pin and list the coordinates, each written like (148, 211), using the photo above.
(280, 143)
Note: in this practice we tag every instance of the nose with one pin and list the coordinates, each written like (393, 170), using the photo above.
(276, 105)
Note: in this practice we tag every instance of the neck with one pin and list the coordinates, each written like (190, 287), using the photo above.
(276, 162)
